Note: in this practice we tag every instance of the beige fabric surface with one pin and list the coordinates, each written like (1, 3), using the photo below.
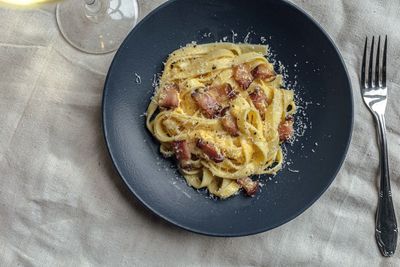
(62, 203)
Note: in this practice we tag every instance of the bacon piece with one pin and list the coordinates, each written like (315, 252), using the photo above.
(229, 124)
(169, 96)
(209, 105)
(263, 72)
(259, 100)
(285, 129)
(223, 92)
(182, 153)
(242, 75)
(210, 99)
(181, 150)
(210, 150)
(248, 185)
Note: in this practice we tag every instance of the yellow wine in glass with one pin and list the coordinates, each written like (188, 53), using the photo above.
(23, 3)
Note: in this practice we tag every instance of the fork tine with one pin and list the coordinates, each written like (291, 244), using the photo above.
(364, 63)
(371, 58)
(384, 63)
(377, 81)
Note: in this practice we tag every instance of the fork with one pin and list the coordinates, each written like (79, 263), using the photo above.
(374, 94)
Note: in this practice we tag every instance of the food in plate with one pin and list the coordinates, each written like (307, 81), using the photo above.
(222, 111)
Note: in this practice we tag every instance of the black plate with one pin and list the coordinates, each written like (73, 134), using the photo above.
(311, 60)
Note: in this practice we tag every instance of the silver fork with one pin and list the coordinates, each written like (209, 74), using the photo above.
(374, 93)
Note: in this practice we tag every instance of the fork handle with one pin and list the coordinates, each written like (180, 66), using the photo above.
(386, 225)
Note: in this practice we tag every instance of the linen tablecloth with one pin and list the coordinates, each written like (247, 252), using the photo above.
(63, 204)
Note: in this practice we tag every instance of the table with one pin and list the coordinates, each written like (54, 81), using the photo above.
(63, 204)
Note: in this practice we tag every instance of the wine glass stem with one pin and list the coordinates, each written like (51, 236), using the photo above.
(93, 8)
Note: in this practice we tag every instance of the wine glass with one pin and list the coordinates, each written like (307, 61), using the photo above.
(96, 26)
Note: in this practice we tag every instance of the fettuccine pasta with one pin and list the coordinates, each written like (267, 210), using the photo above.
(220, 109)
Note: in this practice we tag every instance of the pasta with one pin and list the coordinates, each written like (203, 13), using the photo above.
(221, 110)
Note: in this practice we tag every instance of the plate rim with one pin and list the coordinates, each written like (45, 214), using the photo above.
(210, 232)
